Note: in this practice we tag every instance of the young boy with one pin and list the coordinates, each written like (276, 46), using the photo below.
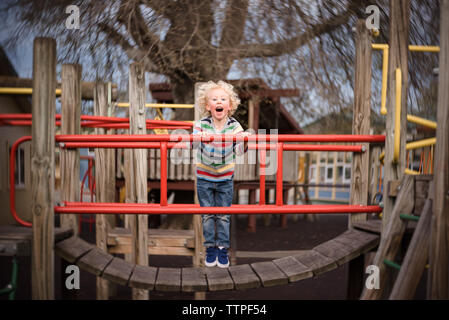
(215, 165)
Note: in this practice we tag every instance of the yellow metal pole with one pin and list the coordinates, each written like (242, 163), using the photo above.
(385, 50)
(422, 121)
(412, 172)
(421, 143)
(25, 91)
(397, 117)
(383, 106)
(424, 48)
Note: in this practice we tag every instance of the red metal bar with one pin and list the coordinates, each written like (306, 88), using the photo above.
(12, 181)
(263, 164)
(220, 137)
(163, 173)
(114, 208)
(133, 145)
(279, 182)
(13, 118)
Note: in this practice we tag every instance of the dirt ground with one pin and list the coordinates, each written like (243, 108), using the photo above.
(298, 235)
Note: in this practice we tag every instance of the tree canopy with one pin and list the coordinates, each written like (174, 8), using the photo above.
(289, 43)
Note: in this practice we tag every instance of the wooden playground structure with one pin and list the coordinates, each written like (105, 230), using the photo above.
(411, 202)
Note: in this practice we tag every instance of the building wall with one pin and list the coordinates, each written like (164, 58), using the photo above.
(8, 135)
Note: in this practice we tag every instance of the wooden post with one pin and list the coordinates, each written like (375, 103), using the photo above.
(361, 123)
(415, 259)
(361, 118)
(253, 123)
(391, 238)
(199, 255)
(102, 184)
(398, 58)
(43, 168)
(439, 246)
(137, 125)
(70, 124)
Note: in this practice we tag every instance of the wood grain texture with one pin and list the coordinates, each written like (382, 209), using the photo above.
(397, 58)
(316, 262)
(137, 125)
(244, 277)
(168, 279)
(43, 168)
(439, 257)
(361, 118)
(101, 183)
(219, 279)
(118, 271)
(269, 273)
(193, 279)
(415, 260)
(143, 277)
(294, 270)
(72, 249)
(391, 237)
(70, 124)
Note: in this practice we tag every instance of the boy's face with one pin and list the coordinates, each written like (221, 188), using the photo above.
(218, 104)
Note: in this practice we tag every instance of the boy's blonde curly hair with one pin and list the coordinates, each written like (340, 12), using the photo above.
(203, 92)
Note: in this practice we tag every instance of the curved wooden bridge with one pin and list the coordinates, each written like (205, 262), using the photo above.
(320, 259)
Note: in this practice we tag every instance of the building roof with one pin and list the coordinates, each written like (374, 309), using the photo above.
(7, 69)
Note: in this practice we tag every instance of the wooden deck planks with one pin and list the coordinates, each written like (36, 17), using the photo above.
(219, 279)
(143, 277)
(316, 262)
(118, 271)
(336, 251)
(193, 279)
(294, 269)
(72, 249)
(95, 261)
(168, 279)
(269, 273)
(244, 277)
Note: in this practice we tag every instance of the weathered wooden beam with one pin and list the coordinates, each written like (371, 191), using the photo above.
(361, 118)
(439, 252)
(200, 252)
(43, 168)
(361, 123)
(391, 237)
(139, 224)
(70, 124)
(415, 260)
(398, 58)
(102, 182)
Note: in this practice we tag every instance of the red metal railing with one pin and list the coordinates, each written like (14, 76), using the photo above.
(12, 181)
(165, 142)
(13, 119)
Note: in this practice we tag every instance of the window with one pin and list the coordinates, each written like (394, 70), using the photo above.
(19, 173)
(339, 174)
(312, 173)
(347, 175)
(329, 174)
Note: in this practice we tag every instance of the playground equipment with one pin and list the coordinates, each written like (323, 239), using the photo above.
(362, 236)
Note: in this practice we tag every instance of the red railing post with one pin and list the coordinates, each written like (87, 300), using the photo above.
(263, 164)
(12, 181)
(279, 150)
(163, 173)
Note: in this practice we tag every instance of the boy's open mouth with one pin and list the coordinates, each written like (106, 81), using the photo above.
(219, 109)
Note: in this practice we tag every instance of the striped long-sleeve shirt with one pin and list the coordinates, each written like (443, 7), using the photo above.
(216, 159)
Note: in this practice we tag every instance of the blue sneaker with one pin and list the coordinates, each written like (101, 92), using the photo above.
(223, 260)
(211, 257)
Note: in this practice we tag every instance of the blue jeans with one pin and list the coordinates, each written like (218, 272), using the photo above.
(215, 226)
